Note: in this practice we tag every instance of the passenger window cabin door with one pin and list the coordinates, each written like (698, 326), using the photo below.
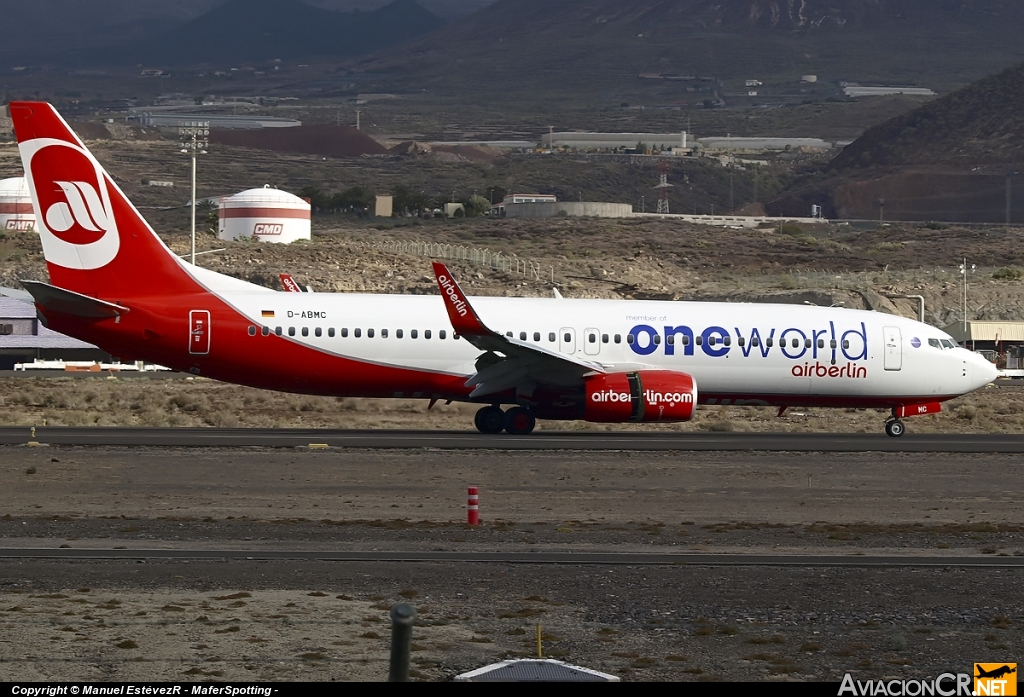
(567, 340)
(893, 348)
(591, 342)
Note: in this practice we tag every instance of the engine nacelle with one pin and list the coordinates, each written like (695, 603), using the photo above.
(644, 395)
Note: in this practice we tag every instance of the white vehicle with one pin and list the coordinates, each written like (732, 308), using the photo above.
(115, 284)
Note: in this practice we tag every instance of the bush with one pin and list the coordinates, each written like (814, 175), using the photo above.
(1008, 275)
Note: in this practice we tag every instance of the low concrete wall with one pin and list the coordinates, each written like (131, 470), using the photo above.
(730, 220)
(572, 208)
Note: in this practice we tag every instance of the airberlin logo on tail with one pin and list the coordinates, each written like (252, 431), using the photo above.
(453, 295)
(82, 207)
(78, 229)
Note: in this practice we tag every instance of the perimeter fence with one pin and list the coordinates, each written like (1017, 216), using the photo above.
(509, 263)
(869, 280)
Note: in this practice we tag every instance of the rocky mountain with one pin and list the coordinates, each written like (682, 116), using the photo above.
(956, 159)
(177, 31)
(979, 125)
(253, 30)
(604, 45)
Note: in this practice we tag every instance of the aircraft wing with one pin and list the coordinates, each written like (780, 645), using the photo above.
(507, 362)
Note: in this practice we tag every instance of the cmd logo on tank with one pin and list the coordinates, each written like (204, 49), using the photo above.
(831, 344)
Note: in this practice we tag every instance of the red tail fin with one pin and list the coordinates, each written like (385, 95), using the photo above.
(94, 240)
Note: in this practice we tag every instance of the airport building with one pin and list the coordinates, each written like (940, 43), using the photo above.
(681, 143)
(858, 91)
(763, 144)
(1001, 341)
(612, 141)
(575, 209)
(498, 210)
(23, 338)
(174, 120)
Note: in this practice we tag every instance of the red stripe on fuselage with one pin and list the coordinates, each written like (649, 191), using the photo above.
(810, 400)
(160, 333)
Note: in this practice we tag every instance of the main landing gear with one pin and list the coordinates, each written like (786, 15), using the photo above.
(894, 427)
(517, 421)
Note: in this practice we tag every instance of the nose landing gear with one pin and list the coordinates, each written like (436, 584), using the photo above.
(517, 421)
(894, 428)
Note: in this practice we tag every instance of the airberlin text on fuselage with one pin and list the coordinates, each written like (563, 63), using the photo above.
(828, 344)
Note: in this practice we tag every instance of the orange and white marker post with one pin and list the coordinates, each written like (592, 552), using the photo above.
(473, 506)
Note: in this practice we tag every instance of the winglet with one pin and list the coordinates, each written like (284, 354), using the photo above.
(463, 317)
(290, 286)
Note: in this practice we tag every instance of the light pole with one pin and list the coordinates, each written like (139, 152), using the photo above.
(194, 137)
(963, 272)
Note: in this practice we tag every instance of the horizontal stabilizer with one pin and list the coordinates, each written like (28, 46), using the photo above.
(70, 303)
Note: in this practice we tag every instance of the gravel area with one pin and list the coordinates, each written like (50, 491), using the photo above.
(300, 620)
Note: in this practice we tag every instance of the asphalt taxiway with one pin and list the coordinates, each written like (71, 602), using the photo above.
(549, 440)
(569, 558)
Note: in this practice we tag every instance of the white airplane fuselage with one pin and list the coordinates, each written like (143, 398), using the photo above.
(841, 355)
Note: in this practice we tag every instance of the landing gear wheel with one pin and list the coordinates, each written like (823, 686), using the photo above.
(895, 428)
(519, 421)
(489, 420)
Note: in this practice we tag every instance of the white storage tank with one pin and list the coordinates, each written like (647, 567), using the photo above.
(267, 214)
(16, 212)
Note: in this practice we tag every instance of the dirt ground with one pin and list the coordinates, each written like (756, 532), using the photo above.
(267, 620)
(175, 401)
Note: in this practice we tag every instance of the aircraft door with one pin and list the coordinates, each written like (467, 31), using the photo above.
(199, 332)
(567, 340)
(893, 348)
(591, 342)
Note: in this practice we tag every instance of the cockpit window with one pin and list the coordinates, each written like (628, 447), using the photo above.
(934, 343)
(948, 344)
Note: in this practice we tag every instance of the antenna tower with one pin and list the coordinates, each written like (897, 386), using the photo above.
(663, 187)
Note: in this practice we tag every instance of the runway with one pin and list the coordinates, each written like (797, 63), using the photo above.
(644, 554)
(550, 440)
(571, 558)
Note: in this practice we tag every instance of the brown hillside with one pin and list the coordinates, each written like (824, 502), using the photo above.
(315, 139)
(981, 124)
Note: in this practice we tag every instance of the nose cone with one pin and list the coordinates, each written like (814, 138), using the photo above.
(982, 372)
